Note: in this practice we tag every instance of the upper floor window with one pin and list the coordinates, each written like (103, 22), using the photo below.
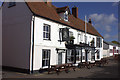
(66, 16)
(81, 37)
(46, 32)
(98, 42)
(70, 33)
(85, 39)
(12, 3)
(92, 42)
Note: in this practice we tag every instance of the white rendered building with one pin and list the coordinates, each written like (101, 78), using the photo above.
(37, 35)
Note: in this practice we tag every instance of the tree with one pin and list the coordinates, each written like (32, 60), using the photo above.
(115, 42)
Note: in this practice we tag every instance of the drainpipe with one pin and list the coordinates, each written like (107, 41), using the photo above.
(32, 57)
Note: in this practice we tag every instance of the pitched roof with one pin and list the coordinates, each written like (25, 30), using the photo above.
(50, 12)
(61, 9)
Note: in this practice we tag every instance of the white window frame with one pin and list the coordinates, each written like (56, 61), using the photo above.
(46, 58)
(66, 16)
(69, 55)
(45, 32)
(78, 55)
(83, 55)
(81, 37)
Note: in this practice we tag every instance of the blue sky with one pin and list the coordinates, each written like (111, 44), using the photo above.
(104, 16)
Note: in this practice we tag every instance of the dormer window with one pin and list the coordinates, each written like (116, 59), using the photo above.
(66, 16)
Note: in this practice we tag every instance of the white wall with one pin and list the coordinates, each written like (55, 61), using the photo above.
(16, 35)
(47, 44)
(53, 43)
(105, 53)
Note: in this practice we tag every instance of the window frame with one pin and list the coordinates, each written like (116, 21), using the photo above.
(45, 32)
(98, 55)
(46, 58)
(78, 55)
(70, 56)
(66, 16)
(81, 37)
(83, 55)
(98, 42)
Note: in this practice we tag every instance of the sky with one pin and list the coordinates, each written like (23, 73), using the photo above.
(104, 16)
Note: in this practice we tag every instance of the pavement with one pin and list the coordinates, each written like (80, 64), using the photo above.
(110, 70)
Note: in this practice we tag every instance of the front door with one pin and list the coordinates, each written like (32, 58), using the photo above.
(59, 58)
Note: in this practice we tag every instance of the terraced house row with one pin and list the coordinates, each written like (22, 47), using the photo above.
(37, 35)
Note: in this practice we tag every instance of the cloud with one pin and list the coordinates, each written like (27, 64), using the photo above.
(106, 36)
(103, 18)
(103, 21)
(108, 28)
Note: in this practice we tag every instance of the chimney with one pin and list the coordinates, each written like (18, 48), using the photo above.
(90, 21)
(48, 2)
(75, 11)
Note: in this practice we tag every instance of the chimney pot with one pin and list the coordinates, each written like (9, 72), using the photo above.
(90, 21)
(48, 2)
(75, 11)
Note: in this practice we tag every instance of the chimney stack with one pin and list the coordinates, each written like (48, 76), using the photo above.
(48, 2)
(75, 11)
(90, 21)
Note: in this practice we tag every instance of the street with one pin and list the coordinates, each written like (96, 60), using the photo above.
(110, 70)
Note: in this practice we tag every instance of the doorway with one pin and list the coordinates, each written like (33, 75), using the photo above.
(59, 58)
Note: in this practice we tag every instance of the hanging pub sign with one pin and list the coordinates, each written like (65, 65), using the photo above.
(65, 34)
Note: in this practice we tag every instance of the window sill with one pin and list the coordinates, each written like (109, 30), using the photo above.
(47, 39)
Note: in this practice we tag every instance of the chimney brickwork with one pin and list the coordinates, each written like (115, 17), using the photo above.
(75, 12)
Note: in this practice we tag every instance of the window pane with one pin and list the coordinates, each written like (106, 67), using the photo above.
(46, 32)
(47, 35)
(44, 35)
(47, 28)
(46, 57)
(44, 28)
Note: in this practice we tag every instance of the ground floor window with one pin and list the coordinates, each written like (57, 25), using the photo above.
(45, 57)
(70, 56)
(111, 50)
(78, 55)
(98, 54)
(92, 55)
(83, 56)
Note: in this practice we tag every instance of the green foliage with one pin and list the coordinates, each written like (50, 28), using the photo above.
(92, 41)
(115, 42)
(72, 37)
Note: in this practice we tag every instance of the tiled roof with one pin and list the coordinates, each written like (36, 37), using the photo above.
(50, 12)
(61, 9)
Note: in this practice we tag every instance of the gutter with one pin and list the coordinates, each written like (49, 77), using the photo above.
(32, 57)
